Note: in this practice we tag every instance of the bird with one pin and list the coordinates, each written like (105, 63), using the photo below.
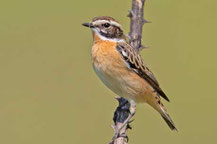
(121, 68)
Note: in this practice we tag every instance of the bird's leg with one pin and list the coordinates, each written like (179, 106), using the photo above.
(132, 113)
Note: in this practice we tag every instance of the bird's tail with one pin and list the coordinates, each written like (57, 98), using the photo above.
(157, 104)
(167, 119)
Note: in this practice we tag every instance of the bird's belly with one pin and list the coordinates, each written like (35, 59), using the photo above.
(122, 82)
(110, 81)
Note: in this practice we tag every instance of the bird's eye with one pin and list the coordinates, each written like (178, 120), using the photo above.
(106, 25)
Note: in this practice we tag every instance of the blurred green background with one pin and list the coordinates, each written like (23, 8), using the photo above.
(49, 93)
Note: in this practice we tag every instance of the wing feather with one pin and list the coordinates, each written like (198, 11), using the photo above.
(134, 61)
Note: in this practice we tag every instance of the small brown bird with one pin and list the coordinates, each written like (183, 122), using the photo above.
(121, 68)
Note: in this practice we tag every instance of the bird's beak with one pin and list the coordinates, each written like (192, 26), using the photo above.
(88, 25)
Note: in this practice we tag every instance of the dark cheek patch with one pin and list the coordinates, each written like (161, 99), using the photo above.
(112, 32)
(108, 33)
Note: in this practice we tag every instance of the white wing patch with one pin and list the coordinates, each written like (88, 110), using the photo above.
(124, 53)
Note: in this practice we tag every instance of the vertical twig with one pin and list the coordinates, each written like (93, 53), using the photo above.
(135, 36)
(136, 23)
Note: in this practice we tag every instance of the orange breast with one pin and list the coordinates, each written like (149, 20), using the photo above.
(114, 73)
(104, 54)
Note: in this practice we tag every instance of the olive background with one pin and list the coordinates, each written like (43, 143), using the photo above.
(49, 92)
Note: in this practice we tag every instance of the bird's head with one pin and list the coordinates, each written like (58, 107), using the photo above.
(106, 28)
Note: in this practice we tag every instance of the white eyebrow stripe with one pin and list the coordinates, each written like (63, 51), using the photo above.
(98, 22)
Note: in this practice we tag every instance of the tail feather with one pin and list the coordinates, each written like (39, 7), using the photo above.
(167, 119)
(158, 105)
(169, 122)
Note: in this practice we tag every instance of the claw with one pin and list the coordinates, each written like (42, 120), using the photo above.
(129, 126)
(131, 121)
(124, 135)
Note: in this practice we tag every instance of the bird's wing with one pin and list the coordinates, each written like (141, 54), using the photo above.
(134, 62)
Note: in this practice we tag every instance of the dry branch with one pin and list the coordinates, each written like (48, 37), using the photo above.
(135, 36)
(136, 23)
